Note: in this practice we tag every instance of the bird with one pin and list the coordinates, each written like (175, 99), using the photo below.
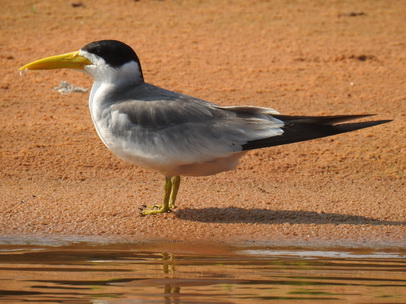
(177, 134)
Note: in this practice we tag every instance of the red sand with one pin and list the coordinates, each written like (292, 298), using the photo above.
(58, 181)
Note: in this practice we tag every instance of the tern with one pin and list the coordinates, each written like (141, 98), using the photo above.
(176, 134)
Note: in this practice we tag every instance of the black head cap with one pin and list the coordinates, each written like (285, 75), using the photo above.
(115, 53)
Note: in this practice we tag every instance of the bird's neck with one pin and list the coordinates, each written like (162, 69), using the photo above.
(108, 82)
(99, 98)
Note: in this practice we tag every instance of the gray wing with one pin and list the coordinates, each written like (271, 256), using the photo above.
(181, 127)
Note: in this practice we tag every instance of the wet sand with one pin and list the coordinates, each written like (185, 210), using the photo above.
(58, 181)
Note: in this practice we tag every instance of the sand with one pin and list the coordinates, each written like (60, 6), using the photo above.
(59, 182)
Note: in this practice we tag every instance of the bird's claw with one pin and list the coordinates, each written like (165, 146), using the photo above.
(154, 209)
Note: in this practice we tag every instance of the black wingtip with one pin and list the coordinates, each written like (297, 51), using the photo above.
(320, 120)
(348, 127)
(302, 128)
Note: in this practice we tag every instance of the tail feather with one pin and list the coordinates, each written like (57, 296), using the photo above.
(303, 128)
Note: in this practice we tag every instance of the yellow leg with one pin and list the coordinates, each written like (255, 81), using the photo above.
(165, 205)
(174, 192)
(171, 190)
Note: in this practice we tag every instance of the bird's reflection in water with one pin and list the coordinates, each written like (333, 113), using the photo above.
(129, 276)
(171, 291)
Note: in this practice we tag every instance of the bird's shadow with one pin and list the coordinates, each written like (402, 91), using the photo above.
(265, 216)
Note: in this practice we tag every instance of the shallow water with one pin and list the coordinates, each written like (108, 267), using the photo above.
(138, 274)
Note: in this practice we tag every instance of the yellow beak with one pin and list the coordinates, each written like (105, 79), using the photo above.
(69, 60)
